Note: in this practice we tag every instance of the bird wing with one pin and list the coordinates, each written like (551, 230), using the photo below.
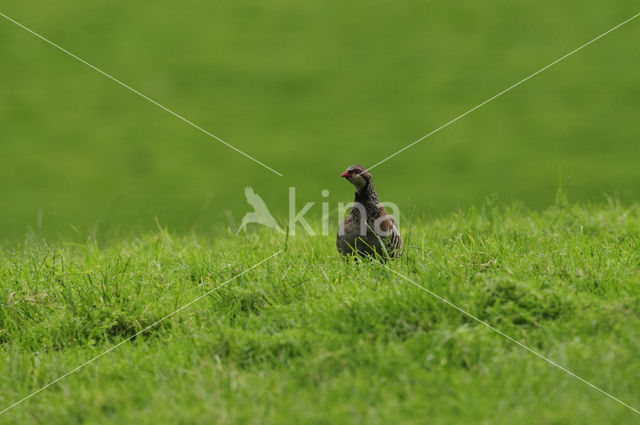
(394, 240)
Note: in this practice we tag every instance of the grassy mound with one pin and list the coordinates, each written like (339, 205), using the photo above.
(307, 337)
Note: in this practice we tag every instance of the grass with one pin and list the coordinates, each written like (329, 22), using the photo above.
(308, 88)
(310, 338)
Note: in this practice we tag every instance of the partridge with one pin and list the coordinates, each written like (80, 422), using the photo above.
(368, 230)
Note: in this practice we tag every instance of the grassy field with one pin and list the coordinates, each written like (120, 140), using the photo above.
(113, 213)
(307, 337)
(309, 88)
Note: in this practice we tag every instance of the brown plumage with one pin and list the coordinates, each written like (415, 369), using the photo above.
(368, 230)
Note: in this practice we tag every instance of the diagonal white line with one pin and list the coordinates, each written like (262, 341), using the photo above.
(548, 360)
(180, 117)
(504, 91)
(138, 333)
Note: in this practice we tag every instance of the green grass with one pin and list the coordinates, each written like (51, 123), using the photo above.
(310, 338)
(309, 88)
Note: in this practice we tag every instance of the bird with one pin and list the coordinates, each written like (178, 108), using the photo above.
(368, 230)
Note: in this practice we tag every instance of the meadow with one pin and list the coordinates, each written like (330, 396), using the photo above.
(113, 213)
(307, 337)
(308, 88)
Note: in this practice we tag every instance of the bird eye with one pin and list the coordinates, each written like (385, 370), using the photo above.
(355, 171)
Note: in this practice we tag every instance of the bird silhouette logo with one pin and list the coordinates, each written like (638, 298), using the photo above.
(260, 213)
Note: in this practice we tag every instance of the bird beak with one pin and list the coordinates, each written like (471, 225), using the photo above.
(345, 174)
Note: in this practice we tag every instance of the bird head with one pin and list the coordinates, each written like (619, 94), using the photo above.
(357, 175)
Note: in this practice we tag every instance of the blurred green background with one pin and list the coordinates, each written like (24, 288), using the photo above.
(308, 88)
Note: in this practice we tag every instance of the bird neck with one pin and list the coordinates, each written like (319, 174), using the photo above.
(367, 196)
